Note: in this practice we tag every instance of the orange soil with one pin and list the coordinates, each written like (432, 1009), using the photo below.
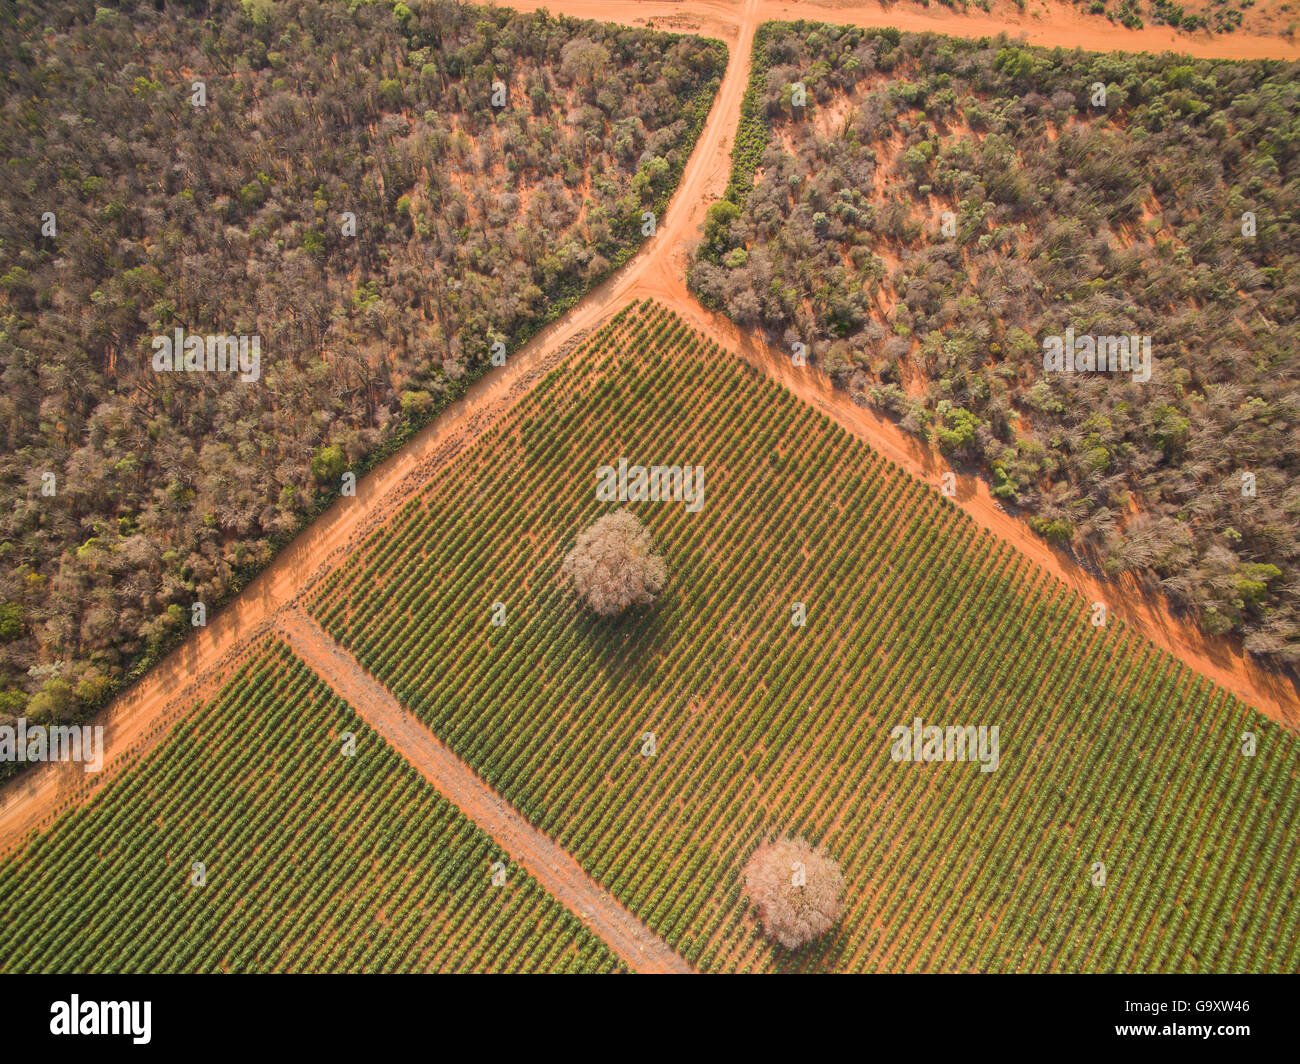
(1063, 25)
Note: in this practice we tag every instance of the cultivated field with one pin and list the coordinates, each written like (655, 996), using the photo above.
(1112, 752)
(315, 861)
(825, 596)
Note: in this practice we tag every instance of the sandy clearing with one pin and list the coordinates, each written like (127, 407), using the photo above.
(543, 858)
(1063, 25)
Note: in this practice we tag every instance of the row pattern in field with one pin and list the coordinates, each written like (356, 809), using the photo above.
(313, 860)
(1111, 751)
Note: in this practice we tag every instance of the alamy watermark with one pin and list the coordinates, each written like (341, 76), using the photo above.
(1109, 354)
(77, 1017)
(180, 353)
(929, 742)
(636, 483)
(57, 742)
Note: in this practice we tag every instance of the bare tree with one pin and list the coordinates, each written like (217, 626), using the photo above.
(613, 566)
(583, 59)
(796, 888)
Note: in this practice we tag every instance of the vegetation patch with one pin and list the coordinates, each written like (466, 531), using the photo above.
(942, 214)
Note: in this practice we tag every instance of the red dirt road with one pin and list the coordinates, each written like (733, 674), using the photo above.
(1063, 26)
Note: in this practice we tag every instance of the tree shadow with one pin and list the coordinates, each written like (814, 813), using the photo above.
(821, 955)
(631, 645)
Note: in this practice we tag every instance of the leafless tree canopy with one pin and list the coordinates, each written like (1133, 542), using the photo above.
(613, 565)
(797, 889)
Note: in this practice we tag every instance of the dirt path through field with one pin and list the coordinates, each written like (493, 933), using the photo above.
(136, 721)
(543, 859)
